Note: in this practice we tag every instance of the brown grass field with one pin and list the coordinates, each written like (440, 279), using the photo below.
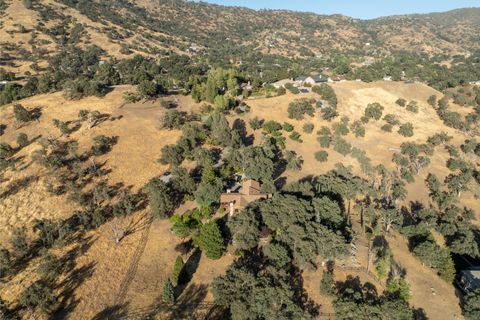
(101, 267)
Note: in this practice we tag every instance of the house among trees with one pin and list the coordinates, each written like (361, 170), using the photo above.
(312, 80)
(249, 192)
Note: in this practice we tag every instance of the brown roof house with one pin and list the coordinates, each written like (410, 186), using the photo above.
(249, 192)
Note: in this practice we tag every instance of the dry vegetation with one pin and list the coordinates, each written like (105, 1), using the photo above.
(104, 266)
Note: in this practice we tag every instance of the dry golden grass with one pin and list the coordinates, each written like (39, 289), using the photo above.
(133, 161)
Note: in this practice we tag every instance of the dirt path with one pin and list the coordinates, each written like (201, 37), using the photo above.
(436, 297)
(132, 269)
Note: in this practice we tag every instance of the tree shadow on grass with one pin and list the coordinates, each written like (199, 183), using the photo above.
(17, 185)
(68, 301)
(189, 270)
(74, 278)
(112, 313)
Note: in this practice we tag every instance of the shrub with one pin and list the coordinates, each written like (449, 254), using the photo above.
(324, 141)
(168, 294)
(412, 106)
(471, 305)
(298, 108)
(22, 140)
(341, 146)
(401, 102)
(256, 123)
(432, 100)
(373, 111)
(177, 274)
(326, 284)
(171, 154)
(102, 144)
(272, 126)
(22, 114)
(340, 129)
(387, 127)
(131, 97)
(39, 294)
(288, 127)
(308, 127)
(399, 288)
(391, 119)
(406, 129)
(321, 156)
(296, 136)
(50, 267)
(172, 119)
(290, 87)
(19, 241)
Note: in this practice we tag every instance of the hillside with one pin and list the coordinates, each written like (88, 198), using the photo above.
(176, 160)
(155, 28)
(132, 161)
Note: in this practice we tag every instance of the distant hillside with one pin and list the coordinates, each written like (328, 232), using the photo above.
(33, 30)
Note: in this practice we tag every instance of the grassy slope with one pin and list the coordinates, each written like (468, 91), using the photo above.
(133, 162)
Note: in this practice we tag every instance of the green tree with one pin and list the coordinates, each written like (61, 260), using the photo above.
(221, 133)
(471, 305)
(159, 197)
(209, 239)
(177, 274)
(256, 123)
(321, 156)
(326, 284)
(308, 127)
(401, 102)
(406, 129)
(299, 107)
(182, 181)
(273, 298)
(4, 311)
(40, 295)
(50, 267)
(22, 114)
(149, 89)
(341, 146)
(22, 140)
(168, 294)
(294, 163)
(412, 106)
(399, 288)
(172, 119)
(358, 129)
(172, 154)
(245, 228)
(373, 111)
(436, 257)
(208, 193)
